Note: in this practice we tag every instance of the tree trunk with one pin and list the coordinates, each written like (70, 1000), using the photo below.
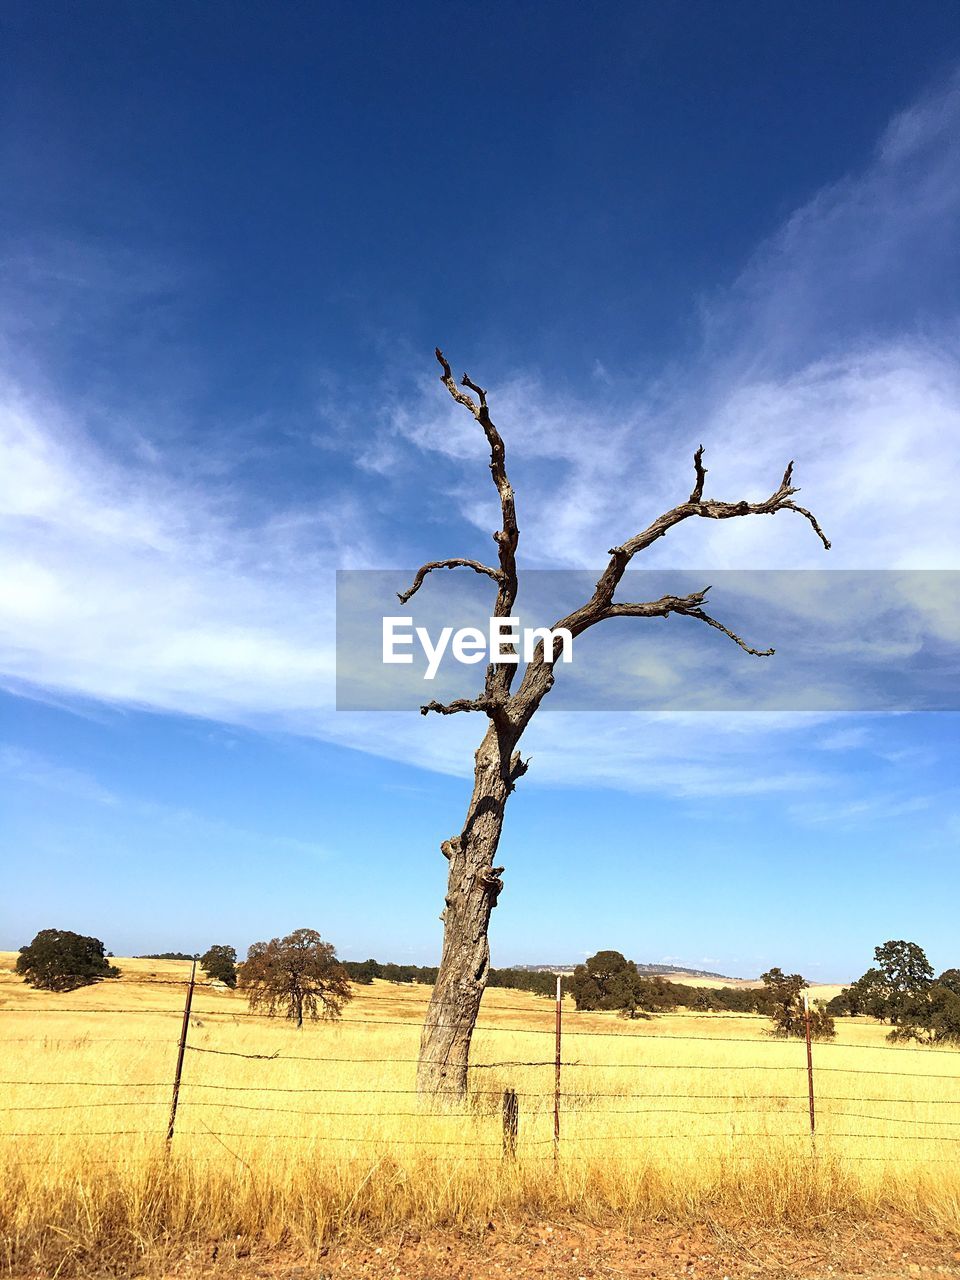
(473, 885)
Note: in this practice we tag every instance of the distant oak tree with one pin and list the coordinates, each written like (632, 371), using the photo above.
(901, 974)
(473, 881)
(297, 976)
(782, 1001)
(901, 989)
(220, 963)
(58, 960)
(950, 978)
(932, 1016)
(870, 995)
(608, 981)
(906, 973)
(365, 972)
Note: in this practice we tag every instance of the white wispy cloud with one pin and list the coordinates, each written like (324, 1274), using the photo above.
(126, 584)
(849, 738)
(121, 586)
(35, 769)
(836, 346)
(876, 808)
(677, 754)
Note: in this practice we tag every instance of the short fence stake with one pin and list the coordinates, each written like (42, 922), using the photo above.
(556, 1078)
(511, 1123)
(813, 1114)
(182, 1050)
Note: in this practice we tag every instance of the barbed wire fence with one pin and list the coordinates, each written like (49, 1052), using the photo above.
(815, 1107)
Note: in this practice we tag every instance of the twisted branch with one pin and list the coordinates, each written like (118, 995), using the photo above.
(456, 563)
(458, 704)
(712, 622)
(802, 511)
(499, 675)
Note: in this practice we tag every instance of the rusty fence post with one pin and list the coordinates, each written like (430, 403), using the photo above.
(511, 1123)
(181, 1051)
(813, 1113)
(556, 1076)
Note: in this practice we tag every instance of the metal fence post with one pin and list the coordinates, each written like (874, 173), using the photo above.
(182, 1050)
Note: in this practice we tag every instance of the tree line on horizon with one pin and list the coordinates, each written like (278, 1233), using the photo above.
(299, 976)
(609, 981)
(900, 989)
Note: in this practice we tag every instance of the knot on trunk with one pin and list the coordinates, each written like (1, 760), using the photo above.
(450, 847)
(517, 769)
(492, 883)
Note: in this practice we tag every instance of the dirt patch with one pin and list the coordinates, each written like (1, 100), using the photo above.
(575, 1251)
(566, 1252)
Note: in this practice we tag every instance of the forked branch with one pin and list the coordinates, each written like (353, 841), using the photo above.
(705, 508)
(690, 606)
(512, 711)
(538, 677)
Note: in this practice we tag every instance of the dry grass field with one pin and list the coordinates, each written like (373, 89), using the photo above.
(288, 1139)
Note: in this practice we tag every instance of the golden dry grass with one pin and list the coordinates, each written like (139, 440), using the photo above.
(691, 1117)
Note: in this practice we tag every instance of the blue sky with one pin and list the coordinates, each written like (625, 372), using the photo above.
(232, 236)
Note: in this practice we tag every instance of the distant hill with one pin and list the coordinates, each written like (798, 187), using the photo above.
(644, 968)
(690, 973)
(167, 955)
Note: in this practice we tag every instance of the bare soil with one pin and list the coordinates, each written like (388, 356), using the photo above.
(575, 1251)
(559, 1252)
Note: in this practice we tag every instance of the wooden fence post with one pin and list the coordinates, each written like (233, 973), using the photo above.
(556, 1076)
(813, 1113)
(182, 1050)
(511, 1123)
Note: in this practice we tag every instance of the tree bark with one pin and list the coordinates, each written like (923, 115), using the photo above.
(473, 886)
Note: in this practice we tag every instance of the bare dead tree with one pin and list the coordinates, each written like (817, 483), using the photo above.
(473, 882)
